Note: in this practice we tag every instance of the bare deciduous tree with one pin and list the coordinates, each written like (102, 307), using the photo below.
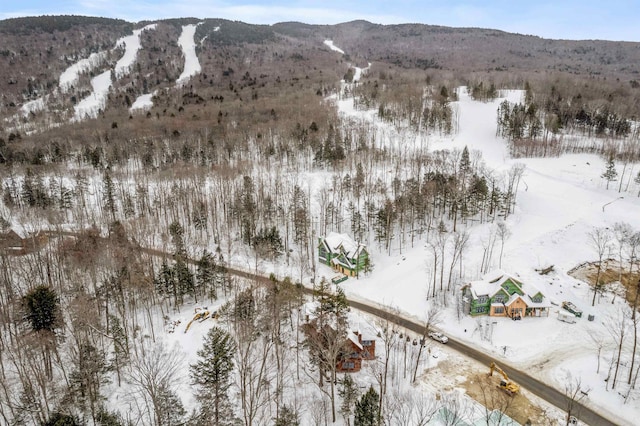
(600, 241)
(432, 319)
(574, 393)
(409, 408)
(617, 325)
(154, 373)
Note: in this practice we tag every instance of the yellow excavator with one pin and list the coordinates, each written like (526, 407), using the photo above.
(201, 314)
(505, 384)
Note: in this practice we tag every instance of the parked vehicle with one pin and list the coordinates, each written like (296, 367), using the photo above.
(337, 279)
(568, 306)
(438, 337)
(566, 317)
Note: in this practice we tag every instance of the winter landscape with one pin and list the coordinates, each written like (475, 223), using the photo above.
(193, 211)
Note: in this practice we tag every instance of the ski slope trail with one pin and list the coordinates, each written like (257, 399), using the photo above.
(188, 46)
(131, 46)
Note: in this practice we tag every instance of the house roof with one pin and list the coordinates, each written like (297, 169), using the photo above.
(335, 241)
(481, 288)
(492, 284)
(10, 239)
(354, 339)
(513, 298)
(342, 244)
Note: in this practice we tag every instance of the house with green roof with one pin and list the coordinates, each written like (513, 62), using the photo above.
(343, 254)
(500, 294)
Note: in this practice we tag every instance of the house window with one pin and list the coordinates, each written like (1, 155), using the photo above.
(499, 298)
(348, 365)
(367, 342)
(482, 299)
(481, 309)
(498, 310)
(537, 299)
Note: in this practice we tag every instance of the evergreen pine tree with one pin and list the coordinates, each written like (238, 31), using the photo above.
(212, 375)
(177, 238)
(59, 419)
(171, 411)
(221, 278)
(349, 394)
(108, 195)
(184, 279)
(120, 344)
(205, 274)
(89, 373)
(610, 173)
(41, 305)
(164, 281)
(287, 417)
(465, 162)
(27, 192)
(366, 412)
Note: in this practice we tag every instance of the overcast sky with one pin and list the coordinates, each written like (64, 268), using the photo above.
(569, 19)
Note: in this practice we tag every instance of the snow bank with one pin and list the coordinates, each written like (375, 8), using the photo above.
(333, 47)
(191, 62)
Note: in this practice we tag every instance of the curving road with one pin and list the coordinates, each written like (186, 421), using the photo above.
(535, 386)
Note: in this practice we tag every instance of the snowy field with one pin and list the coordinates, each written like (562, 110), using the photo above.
(560, 201)
(330, 45)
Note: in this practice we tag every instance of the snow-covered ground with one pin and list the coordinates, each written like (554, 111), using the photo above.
(358, 74)
(358, 70)
(560, 200)
(142, 102)
(97, 100)
(34, 106)
(191, 62)
(333, 47)
(70, 76)
(92, 104)
(131, 44)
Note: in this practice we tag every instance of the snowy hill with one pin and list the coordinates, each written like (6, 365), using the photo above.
(140, 163)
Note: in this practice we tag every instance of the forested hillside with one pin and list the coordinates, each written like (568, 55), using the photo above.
(117, 219)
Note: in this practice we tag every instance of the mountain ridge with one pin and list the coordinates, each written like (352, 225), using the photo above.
(241, 61)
